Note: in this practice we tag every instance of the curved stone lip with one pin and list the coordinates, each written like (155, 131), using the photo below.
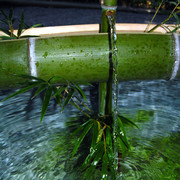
(86, 29)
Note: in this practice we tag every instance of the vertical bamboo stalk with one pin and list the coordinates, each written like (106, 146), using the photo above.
(105, 89)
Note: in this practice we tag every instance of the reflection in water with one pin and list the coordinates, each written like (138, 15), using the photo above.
(30, 150)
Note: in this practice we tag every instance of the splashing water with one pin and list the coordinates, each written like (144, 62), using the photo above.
(113, 50)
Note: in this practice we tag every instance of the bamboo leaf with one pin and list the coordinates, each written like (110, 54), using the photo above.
(109, 138)
(29, 77)
(46, 102)
(86, 83)
(59, 91)
(4, 22)
(80, 139)
(95, 135)
(10, 14)
(3, 13)
(110, 151)
(23, 90)
(89, 172)
(36, 25)
(21, 25)
(92, 154)
(99, 155)
(104, 167)
(5, 31)
(57, 96)
(121, 133)
(175, 29)
(123, 147)
(39, 90)
(127, 121)
(79, 90)
(7, 37)
(172, 2)
(54, 78)
(82, 126)
(100, 133)
(69, 96)
(111, 165)
(177, 18)
(166, 28)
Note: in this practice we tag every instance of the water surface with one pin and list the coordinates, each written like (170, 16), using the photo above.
(30, 150)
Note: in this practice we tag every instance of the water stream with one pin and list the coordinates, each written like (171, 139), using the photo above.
(113, 48)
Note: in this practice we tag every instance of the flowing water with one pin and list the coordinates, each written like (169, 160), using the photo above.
(30, 150)
(113, 50)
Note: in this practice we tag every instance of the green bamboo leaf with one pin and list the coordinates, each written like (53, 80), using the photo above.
(104, 167)
(154, 28)
(78, 89)
(7, 37)
(99, 146)
(5, 31)
(111, 165)
(4, 22)
(36, 25)
(86, 83)
(80, 139)
(175, 29)
(23, 90)
(54, 78)
(41, 88)
(172, 2)
(29, 77)
(121, 133)
(166, 28)
(57, 96)
(59, 91)
(110, 150)
(21, 26)
(10, 14)
(4, 14)
(177, 18)
(95, 135)
(82, 126)
(46, 100)
(69, 96)
(123, 147)
(89, 172)
(100, 133)
(127, 121)
(99, 155)
(109, 141)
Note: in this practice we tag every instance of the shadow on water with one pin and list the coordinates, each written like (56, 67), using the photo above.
(31, 150)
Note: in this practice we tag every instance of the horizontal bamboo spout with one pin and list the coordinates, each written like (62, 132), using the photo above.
(85, 58)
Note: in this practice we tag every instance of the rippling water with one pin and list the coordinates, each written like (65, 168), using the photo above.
(30, 150)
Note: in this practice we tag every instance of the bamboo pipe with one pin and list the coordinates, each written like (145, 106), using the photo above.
(85, 58)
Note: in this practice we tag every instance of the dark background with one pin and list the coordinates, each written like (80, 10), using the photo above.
(71, 12)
